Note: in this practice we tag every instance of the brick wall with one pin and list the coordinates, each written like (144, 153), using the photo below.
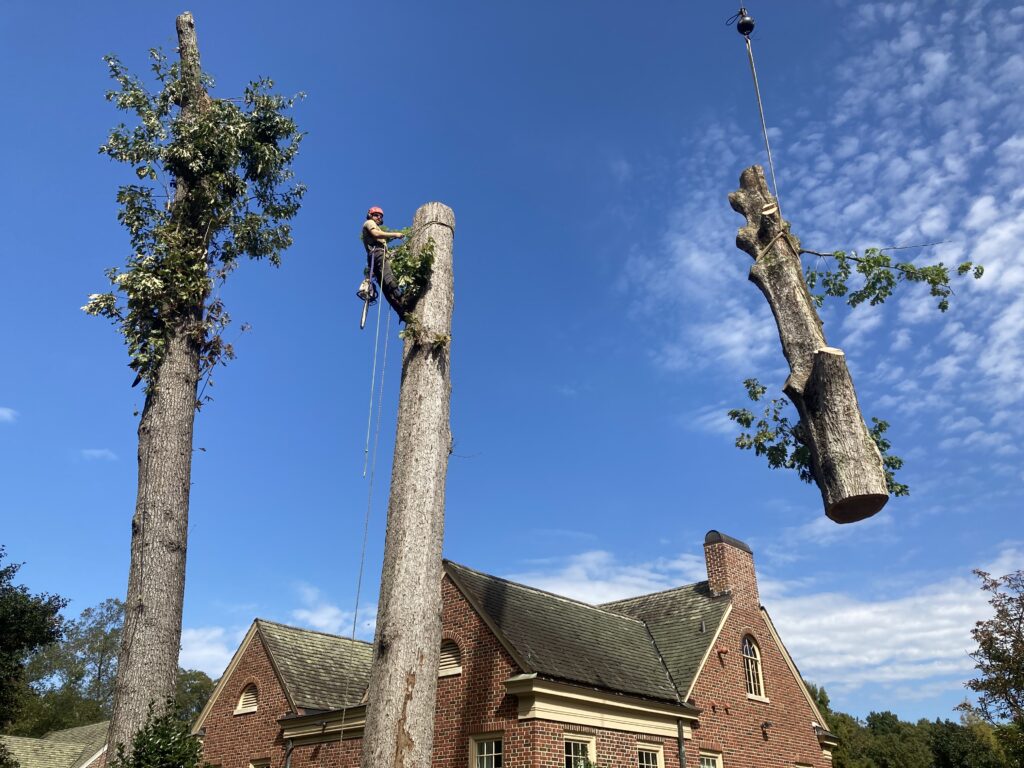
(475, 702)
(233, 741)
(731, 722)
(731, 570)
(472, 703)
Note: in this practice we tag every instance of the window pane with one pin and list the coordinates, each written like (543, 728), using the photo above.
(575, 754)
(488, 753)
(647, 758)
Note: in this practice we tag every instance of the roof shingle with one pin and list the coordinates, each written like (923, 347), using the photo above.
(319, 671)
(568, 640)
(675, 619)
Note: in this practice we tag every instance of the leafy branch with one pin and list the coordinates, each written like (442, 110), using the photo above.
(234, 160)
(782, 441)
(412, 269)
(881, 275)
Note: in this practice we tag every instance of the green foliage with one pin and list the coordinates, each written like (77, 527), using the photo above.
(233, 162)
(71, 682)
(412, 269)
(971, 743)
(880, 275)
(6, 758)
(29, 622)
(163, 742)
(999, 658)
(781, 440)
(193, 690)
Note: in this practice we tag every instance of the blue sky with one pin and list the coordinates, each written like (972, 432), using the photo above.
(603, 326)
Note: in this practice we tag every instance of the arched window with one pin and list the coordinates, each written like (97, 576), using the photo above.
(752, 667)
(248, 701)
(451, 659)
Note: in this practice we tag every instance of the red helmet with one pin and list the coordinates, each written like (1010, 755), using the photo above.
(374, 210)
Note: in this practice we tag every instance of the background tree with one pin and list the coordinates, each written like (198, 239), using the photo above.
(193, 691)
(222, 168)
(972, 742)
(999, 659)
(29, 622)
(71, 682)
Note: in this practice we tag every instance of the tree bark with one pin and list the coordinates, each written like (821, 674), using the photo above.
(399, 729)
(148, 660)
(845, 461)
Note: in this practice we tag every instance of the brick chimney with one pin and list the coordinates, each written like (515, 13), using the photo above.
(731, 568)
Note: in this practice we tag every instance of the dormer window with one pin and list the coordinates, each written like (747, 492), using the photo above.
(752, 668)
(248, 701)
(451, 659)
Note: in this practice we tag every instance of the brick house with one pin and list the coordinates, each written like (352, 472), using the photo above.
(695, 676)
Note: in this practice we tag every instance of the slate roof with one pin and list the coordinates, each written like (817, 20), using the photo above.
(674, 619)
(319, 671)
(564, 639)
(68, 748)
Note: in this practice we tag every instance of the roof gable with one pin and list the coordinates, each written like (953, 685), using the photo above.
(318, 671)
(565, 639)
(683, 622)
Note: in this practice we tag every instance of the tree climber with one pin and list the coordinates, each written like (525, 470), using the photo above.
(375, 240)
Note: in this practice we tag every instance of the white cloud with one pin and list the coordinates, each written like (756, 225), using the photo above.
(844, 642)
(8, 415)
(98, 454)
(208, 649)
(598, 577)
(904, 641)
(318, 612)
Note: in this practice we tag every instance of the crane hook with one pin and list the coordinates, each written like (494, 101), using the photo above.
(744, 22)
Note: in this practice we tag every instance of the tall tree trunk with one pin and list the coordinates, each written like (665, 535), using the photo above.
(399, 729)
(846, 463)
(148, 661)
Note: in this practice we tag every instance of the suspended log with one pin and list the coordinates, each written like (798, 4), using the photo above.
(845, 461)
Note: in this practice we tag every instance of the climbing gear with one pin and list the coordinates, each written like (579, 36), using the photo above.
(374, 210)
(368, 293)
(745, 25)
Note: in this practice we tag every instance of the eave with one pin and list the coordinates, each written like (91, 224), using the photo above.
(545, 699)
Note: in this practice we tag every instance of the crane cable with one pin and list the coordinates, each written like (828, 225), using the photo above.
(745, 25)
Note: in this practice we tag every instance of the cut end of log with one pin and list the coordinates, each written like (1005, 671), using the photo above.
(856, 508)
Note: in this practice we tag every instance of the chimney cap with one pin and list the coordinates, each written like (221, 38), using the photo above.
(714, 537)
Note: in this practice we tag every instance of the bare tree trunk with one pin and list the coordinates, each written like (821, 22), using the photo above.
(399, 729)
(846, 463)
(147, 668)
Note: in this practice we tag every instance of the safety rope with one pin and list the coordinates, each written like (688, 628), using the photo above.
(373, 370)
(369, 490)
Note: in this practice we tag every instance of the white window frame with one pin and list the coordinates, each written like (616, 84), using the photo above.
(581, 738)
(480, 738)
(657, 749)
(244, 710)
(705, 755)
(263, 762)
(753, 674)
